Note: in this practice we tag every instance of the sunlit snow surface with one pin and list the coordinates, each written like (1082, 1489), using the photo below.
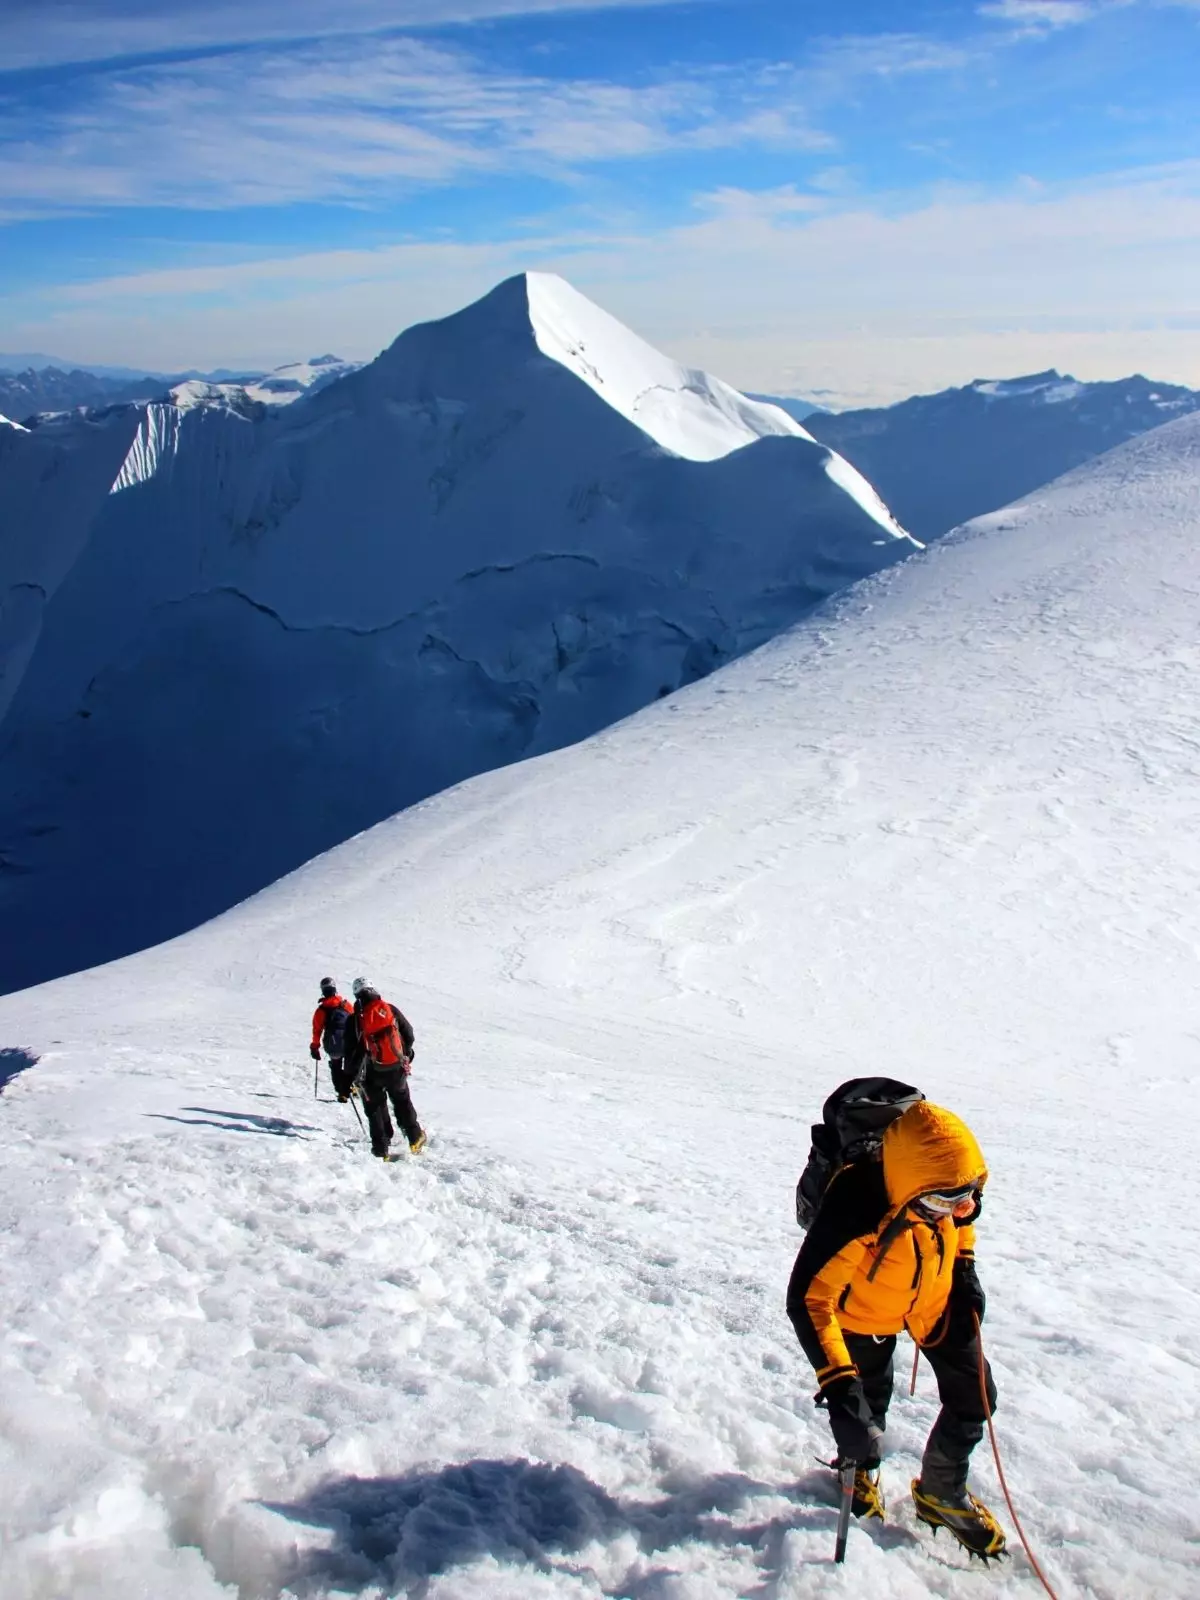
(688, 412)
(947, 829)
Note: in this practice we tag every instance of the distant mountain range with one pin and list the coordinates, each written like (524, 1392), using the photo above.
(234, 633)
(34, 390)
(940, 459)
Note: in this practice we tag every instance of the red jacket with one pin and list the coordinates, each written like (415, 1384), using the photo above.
(334, 1003)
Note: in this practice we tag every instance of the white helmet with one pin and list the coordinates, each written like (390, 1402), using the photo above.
(359, 985)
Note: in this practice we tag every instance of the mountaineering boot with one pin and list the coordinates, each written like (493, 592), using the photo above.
(418, 1144)
(868, 1496)
(968, 1519)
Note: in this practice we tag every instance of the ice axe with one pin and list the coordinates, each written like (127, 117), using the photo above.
(358, 1114)
(845, 1503)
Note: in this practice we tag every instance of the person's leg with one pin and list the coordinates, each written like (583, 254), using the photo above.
(374, 1097)
(961, 1421)
(873, 1358)
(340, 1076)
(402, 1104)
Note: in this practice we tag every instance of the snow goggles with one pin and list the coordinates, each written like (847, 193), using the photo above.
(950, 1202)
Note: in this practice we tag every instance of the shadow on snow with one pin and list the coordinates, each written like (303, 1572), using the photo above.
(14, 1061)
(239, 1122)
(405, 1530)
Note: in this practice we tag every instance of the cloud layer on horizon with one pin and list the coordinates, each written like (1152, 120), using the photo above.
(872, 191)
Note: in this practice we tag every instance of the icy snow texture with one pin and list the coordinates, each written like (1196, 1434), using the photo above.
(947, 828)
(232, 639)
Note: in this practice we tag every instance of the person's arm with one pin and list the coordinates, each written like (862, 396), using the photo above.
(407, 1036)
(820, 1277)
(967, 1299)
(318, 1027)
(834, 1247)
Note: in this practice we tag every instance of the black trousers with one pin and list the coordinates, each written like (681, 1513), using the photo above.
(960, 1423)
(381, 1084)
(341, 1076)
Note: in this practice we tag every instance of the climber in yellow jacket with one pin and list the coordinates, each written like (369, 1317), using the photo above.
(892, 1248)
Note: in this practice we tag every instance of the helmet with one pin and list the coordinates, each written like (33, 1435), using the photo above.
(328, 987)
(358, 985)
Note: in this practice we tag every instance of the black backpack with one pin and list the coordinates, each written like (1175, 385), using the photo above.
(333, 1035)
(853, 1122)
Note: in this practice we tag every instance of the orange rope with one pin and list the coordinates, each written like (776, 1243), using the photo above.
(1012, 1510)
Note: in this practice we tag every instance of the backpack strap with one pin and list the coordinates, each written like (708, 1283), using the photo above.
(899, 1224)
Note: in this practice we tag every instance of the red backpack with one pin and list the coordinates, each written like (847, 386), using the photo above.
(381, 1035)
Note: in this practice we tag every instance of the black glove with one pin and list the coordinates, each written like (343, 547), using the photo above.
(314, 1051)
(855, 1432)
(412, 1050)
(967, 1301)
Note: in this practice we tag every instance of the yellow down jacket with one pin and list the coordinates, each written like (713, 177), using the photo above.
(869, 1263)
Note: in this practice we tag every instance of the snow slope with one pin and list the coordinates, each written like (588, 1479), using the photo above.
(288, 383)
(945, 828)
(232, 638)
(939, 459)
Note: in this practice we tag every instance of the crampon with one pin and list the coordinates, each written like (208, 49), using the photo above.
(967, 1518)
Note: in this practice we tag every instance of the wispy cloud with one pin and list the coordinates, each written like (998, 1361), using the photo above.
(777, 290)
(343, 120)
(1040, 16)
(887, 55)
(43, 33)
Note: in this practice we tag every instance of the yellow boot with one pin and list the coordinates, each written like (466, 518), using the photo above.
(968, 1519)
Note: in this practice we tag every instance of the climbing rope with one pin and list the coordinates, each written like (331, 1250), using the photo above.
(1012, 1510)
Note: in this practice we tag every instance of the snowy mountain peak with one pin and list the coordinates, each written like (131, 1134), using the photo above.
(498, 345)
(516, 526)
(1049, 388)
(685, 411)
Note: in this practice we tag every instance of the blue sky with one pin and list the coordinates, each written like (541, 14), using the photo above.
(856, 197)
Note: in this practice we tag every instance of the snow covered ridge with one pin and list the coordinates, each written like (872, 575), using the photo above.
(941, 459)
(945, 828)
(282, 387)
(33, 393)
(516, 526)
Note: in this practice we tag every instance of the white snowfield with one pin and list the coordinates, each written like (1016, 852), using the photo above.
(946, 829)
(281, 387)
(516, 526)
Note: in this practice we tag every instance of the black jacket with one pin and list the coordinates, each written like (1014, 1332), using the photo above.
(355, 1055)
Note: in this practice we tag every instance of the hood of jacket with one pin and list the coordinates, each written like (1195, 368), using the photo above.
(926, 1149)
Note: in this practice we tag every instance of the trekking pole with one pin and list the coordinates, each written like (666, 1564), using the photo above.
(912, 1388)
(1012, 1510)
(316, 1074)
(358, 1114)
(846, 1487)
